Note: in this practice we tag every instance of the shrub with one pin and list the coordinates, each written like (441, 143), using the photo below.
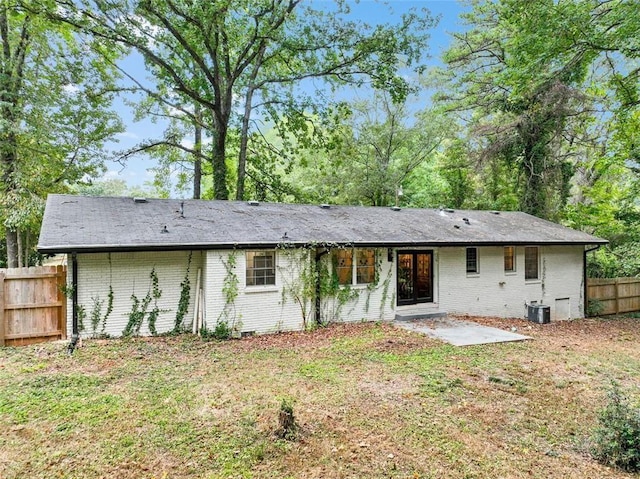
(594, 307)
(616, 442)
(221, 331)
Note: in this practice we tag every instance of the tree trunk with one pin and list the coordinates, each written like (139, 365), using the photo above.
(27, 247)
(20, 249)
(533, 196)
(8, 159)
(12, 249)
(10, 88)
(244, 133)
(218, 157)
(197, 163)
(244, 141)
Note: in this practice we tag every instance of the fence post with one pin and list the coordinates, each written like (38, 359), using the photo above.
(617, 288)
(2, 325)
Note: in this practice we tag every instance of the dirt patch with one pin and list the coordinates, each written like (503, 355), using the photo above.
(372, 401)
(326, 336)
(585, 333)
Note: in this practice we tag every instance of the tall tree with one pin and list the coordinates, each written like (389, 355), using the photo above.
(211, 54)
(54, 94)
(377, 148)
(530, 77)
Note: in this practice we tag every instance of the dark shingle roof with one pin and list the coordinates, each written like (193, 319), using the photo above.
(81, 223)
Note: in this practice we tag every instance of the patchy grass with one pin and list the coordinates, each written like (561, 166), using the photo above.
(370, 401)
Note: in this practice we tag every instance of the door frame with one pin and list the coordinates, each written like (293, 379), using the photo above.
(415, 300)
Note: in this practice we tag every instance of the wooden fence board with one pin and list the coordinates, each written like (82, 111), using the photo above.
(616, 295)
(2, 324)
(32, 305)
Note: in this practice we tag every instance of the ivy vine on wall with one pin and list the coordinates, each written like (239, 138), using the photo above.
(227, 320)
(299, 280)
(98, 320)
(305, 274)
(185, 297)
(139, 309)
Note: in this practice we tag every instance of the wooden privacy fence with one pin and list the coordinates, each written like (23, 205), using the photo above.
(33, 307)
(616, 295)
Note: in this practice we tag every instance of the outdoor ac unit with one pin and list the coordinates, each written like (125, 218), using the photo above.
(539, 313)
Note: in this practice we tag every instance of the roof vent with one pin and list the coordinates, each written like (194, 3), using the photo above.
(253, 203)
(494, 212)
(456, 227)
(449, 210)
(466, 220)
(396, 208)
(164, 229)
(182, 209)
(325, 206)
(139, 200)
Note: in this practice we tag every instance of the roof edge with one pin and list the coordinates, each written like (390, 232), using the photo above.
(57, 249)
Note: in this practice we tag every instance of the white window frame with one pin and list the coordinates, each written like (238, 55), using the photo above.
(537, 249)
(477, 261)
(515, 256)
(354, 254)
(358, 267)
(267, 276)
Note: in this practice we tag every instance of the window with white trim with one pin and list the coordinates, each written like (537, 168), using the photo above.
(342, 260)
(261, 268)
(365, 266)
(509, 259)
(531, 262)
(472, 261)
(354, 264)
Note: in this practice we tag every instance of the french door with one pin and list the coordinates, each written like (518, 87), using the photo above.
(414, 277)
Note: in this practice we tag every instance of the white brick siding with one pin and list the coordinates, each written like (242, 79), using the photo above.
(260, 309)
(492, 292)
(374, 302)
(129, 273)
(266, 309)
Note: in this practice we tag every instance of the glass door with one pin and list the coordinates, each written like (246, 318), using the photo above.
(414, 277)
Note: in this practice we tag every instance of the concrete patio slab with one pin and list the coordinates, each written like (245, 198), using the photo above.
(459, 332)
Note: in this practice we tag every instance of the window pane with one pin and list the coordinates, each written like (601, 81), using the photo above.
(261, 268)
(472, 260)
(366, 266)
(531, 262)
(509, 259)
(343, 265)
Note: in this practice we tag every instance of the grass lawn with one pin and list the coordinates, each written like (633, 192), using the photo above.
(372, 401)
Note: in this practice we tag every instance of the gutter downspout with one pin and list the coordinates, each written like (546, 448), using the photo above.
(75, 336)
(319, 255)
(584, 277)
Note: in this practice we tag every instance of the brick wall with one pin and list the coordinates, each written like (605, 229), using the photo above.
(493, 292)
(265, 309)
(129, 273)
(260, 309)
(370, 302)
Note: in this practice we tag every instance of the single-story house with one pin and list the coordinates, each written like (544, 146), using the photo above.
(145, 266)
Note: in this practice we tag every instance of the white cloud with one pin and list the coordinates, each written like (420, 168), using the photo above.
(111, 175)
(188, 143)
(141, 28)
(70, 89)
(128, 134)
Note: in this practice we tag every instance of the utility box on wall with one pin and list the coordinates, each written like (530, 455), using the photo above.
(539, 313)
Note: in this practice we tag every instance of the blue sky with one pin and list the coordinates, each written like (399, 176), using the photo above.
(136, 170)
